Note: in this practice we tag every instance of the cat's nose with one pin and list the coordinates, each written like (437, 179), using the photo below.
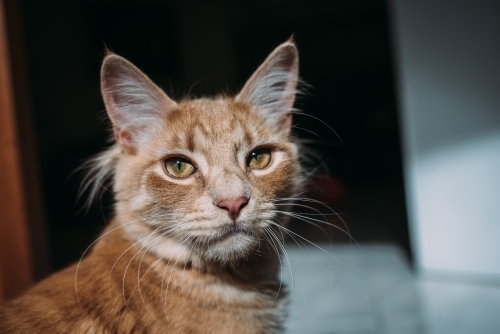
(233, 206)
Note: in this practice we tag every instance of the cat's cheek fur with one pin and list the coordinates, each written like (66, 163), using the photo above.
(172, 195)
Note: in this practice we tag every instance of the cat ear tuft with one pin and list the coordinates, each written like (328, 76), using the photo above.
(108, 51)
(133, 102)
(272, 88)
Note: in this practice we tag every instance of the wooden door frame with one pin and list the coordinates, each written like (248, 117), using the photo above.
(23, 242)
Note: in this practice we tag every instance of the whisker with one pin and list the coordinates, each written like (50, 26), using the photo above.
(319, 120)
(327, 207)
(164, 231)
(311, 132)
(279, 259)
(291, 271)
(123, 253)
(170, 276)
(309, 219)
(319, 247)
(92, 244)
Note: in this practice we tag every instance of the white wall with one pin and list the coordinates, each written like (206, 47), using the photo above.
(448, 74)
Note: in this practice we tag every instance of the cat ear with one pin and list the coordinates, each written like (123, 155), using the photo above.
(134, 103)
(272, 88)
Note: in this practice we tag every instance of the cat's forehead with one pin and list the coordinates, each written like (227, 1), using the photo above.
(219, 115)
(202, 124)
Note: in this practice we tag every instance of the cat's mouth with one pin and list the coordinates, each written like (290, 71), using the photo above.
(232, 242)
(232, 232)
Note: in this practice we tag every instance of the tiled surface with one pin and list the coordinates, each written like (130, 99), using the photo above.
(466, 308)
(372, 291)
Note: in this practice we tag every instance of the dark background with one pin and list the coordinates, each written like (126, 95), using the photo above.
(204, 48)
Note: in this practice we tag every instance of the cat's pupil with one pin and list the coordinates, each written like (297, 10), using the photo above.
(179, 165)
(258, 157)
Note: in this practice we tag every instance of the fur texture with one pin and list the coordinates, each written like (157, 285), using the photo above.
(195, 254)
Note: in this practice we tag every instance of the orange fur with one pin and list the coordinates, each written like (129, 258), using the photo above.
(172, 260)
(215, 300)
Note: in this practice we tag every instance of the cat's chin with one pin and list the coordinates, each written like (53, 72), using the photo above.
(233, 246)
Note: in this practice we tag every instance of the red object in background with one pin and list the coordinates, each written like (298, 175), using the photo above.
(326, 189)
(320, 212)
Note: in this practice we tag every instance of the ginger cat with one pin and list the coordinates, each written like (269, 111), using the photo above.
(195, 240)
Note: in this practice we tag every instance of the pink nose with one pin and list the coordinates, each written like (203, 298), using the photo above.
(233, 206)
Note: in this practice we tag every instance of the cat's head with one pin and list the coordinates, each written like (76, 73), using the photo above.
(202, 176)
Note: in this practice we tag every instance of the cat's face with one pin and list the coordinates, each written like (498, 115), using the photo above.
(211, 174)
(203, 175)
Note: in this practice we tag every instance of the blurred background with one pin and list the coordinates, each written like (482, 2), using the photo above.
(411, 161)
(206, 48)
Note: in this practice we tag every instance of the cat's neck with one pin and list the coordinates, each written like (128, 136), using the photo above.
(260, 268)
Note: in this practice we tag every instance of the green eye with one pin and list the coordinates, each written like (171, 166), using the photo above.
(179, 167)
(259, 159)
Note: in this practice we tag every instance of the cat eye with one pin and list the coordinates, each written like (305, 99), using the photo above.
(179, 167)
(259, 159)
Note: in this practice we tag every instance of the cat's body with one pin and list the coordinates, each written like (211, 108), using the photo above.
(183, 299)
(195, 242)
